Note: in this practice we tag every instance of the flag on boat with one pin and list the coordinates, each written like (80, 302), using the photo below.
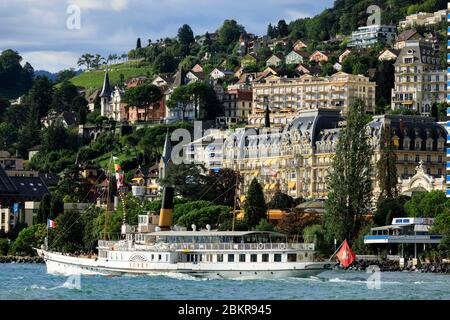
(51, 224)
(345, 255)
(118, 173)
(117, 166)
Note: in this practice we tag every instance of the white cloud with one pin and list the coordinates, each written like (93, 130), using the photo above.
(52, 61)
(116, 5)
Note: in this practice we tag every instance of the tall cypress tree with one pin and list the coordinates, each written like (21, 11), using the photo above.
(138, 43)
(386, 166)
(267, 117)
(255, 205)
(349, 183)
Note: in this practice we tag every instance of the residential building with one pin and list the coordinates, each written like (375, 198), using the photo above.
(423, 19)
(145, 183)
(275, 60)
(66, 118)
(248, 59)
(92, 99)
(368, 36)
(286, 97)
(389, 55)
(319, 56)
(207, 150)
(237, 105)
(296, 57)
(296, 160)
(344, 55)
(218, 73)
(419, 81)
(197, 68)
(9, 162)
(299, 45)
(407, 35)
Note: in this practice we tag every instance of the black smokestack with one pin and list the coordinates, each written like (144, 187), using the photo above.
(166, 213)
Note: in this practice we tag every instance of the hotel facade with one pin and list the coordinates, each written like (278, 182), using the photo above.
(296, 159)
(286, 97)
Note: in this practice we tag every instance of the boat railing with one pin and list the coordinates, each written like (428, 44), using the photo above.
(241, 246)
(127, 245)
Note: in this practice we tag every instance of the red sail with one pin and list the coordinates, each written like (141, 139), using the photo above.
(345, 255)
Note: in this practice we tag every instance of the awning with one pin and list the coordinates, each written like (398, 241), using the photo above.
(152, 187)
(267, 186)
(407, 102)
(255, 173)
(272, 186)
(242, 198)
(292, 185)
(137, 179)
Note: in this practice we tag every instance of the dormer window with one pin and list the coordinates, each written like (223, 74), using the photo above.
(418, 144)
(406, 144)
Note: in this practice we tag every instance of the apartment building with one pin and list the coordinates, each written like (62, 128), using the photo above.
(423, 19)
(419, 80)
(368, 36)
(286, 97)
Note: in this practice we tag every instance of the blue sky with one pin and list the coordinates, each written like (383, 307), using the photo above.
(37, 28)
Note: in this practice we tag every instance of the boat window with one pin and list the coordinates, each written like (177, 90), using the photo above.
(277, 257)
(265, 257)
(253, 258)
(242, 258)
(292, 257)
(167, 257)
(231, 258)
(153, 257)
(159, 257)
(220, 258)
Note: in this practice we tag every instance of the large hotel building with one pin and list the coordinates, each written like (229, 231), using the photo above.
(286, 97)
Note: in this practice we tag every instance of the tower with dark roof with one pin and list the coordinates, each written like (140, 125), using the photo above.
(105, 96)
(166, 157)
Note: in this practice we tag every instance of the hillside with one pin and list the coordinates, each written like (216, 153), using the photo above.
(347, 15)
(94, 79)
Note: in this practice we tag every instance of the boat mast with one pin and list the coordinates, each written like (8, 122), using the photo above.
(108, 199)
(235, 199)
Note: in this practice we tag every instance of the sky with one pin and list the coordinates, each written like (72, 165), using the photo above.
(51, 35)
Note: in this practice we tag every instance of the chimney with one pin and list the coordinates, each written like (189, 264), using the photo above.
(166, 213)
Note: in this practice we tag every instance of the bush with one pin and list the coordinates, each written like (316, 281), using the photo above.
(4, 247)
(29, 238)
(316, 234)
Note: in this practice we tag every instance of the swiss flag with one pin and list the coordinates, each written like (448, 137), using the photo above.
(345, 255)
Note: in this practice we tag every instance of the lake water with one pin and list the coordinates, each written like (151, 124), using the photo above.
(30, 281)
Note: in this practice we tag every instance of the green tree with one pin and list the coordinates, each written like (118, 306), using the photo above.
(185, 35)
(165, 63)
(66, 74)
(387, 166)
(28, 135)
(41, 94)
(8, 135)
(56, 137)
(427, 204)
(264, 225)
(212, 215)
(349, 182)
(390, 208)
(230, 32)
(282, 29)
(143, 97)
(29, 238)
(316, 234)
(295, 222)
(255, 207)
(44, 208)
(188, 179)
(281, 201)
(138, 43)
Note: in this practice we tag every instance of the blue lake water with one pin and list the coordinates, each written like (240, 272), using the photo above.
(30, 281)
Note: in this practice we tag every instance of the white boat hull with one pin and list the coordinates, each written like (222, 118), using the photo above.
(66, 265)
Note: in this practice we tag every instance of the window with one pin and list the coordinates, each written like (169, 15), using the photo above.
(220, 258)
(242, 258)
(159, 257)
(265, 257)
(253, 258)
(231, 258)
(277, 257)
(428, 158)
(292, 257)
(417, 158)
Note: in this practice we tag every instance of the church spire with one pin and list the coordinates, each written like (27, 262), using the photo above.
(106, 91)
